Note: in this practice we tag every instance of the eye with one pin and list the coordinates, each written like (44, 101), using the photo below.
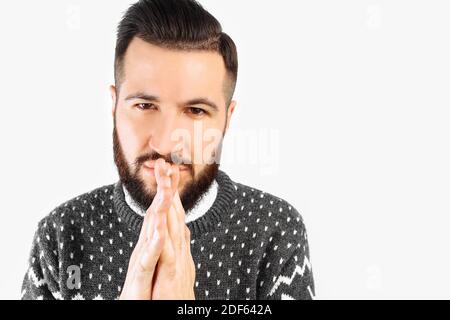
(145, 106)
(196, 111)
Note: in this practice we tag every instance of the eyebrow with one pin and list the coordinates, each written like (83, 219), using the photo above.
(152, 98)
(142, 96)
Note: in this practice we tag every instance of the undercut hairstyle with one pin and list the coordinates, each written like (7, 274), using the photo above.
(177, 25)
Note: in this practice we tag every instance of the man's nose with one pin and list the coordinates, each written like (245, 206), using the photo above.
(163, 138)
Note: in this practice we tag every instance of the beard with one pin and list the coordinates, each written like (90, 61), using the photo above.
(190, 195)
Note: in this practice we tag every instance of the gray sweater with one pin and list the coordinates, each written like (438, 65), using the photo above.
(248, 245)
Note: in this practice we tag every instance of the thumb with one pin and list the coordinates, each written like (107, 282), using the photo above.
(151, 251)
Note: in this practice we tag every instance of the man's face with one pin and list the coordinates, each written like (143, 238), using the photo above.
(170, 104)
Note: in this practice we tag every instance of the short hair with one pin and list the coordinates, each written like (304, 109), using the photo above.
(178, 25)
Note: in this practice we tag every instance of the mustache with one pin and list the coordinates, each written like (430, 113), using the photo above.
(169, 158)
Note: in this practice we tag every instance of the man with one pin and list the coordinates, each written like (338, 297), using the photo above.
(174, 226)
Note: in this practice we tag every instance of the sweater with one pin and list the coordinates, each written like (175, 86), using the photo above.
(249, 245)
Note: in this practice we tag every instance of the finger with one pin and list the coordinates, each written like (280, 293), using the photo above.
(168, 254)
(187, 237)
(181, 214)
(175, 170)
(143, 237)
(173, 223)
(153, 248)
(160, 206)
(145, 230)
(142, 233)
(146, 266)
(173, 227)
(161, 174)
(161, 210)
(164, 194)
(180, 220)
(189, 253)
(140, 272)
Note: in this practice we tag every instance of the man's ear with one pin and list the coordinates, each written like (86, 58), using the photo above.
(230, 113)
(113, 91)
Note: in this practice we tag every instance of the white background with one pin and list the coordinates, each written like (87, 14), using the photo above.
(356, 93)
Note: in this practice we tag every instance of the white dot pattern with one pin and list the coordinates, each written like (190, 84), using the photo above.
(248, 245)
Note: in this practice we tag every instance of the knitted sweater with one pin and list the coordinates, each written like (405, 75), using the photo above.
(248, 245)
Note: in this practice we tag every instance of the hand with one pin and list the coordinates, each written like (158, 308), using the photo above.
(152, 238)
(175, 271)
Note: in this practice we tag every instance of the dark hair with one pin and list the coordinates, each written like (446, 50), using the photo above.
(179, 25)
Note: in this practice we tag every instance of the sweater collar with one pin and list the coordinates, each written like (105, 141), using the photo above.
(210, 220)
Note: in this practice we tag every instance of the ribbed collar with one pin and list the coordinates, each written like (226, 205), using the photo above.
(206, 223)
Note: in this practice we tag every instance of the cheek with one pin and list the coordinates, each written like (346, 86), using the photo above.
(130, 138)
(212, 141)
(204, 139)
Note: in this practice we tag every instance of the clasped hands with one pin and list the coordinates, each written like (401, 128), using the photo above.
(161, 265)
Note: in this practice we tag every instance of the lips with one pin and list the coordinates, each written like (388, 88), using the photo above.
(151, 165)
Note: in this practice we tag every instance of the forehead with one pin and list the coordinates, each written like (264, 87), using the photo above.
(173, 74)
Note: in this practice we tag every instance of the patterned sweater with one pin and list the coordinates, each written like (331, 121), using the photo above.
(248, 245)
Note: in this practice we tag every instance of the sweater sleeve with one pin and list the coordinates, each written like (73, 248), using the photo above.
(294, 279)
(40, 281)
